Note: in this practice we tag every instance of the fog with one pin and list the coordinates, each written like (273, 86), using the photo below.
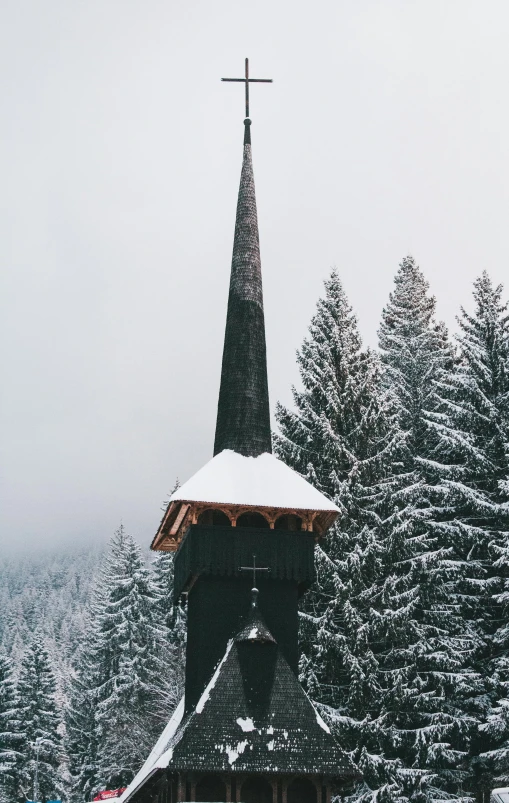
(385, 132)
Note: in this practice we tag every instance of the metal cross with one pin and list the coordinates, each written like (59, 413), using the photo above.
(254, 568)
(247, 80)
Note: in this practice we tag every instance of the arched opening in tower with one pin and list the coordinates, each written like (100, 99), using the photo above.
(288, 521)
(301, 790)
(210, 788)
(256, 790)
(214, 517)
(252, 519)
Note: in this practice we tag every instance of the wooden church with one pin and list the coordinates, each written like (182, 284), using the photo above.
(244, 530)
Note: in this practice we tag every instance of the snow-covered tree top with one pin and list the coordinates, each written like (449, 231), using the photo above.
(263, 481)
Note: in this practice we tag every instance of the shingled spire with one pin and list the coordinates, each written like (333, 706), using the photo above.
(243, 418)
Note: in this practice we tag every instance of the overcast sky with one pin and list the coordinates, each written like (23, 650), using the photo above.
(386, 131)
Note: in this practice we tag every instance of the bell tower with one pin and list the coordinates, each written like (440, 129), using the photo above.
(244, 529)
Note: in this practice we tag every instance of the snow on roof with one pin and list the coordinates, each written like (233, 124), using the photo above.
(159, 748)
(263, 481)
(213, 680)
(164, 757)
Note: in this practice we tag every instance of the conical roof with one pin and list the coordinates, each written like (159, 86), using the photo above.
(243, 419)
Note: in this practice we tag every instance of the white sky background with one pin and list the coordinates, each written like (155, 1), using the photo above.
(386, 131)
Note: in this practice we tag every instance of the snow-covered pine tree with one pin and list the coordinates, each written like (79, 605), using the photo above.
(127, 641)
(418, 358)
(342, 436)
(51, 588)
(82, 738)
(471, 460)
(128, 672)
(415, 352)
(168, 613)
(470, 515)
(170, 621)
(10, 736)
(327, 435)
(40, 725)
(377, 650)
(492, 766)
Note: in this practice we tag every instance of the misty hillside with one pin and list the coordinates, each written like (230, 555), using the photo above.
(46, 592)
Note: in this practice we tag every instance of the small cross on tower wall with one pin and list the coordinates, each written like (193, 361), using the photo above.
(254, 568)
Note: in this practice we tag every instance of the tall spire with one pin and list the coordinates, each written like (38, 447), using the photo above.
(243, 417)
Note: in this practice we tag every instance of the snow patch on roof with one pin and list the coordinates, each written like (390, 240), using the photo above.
(235, 752)
(152, 762)
(253, 633)
(246, 724)
(321, 722)
(165, 759)
(263, 481)
(213, 680)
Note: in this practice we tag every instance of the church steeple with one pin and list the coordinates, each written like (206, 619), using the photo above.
(243, 417)
(246, 729)
(234, 489)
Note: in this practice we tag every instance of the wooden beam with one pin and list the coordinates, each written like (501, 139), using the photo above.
(178, 521)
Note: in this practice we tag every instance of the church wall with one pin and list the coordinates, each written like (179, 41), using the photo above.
(183, 788)
(223, 550)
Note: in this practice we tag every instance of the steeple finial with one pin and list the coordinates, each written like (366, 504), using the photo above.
(243, 416)
(247, 80)
(254, 628)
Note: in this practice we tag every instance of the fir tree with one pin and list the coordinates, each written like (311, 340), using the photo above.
(169, 617)
(492, 766)
(381, 647)
(82, 731)
(494, 763)
(415, 352)
(470, 501)
(40, 724)
(127, 647)
(471, 461)
(127, 675)
(58, 587)
(10, 736)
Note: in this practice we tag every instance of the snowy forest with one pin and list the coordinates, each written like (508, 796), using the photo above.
(404, 635)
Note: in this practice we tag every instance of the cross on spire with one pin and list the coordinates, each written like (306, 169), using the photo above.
(247, 80)
(254, 568)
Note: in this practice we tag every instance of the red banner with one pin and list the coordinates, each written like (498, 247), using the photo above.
(109, 793)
